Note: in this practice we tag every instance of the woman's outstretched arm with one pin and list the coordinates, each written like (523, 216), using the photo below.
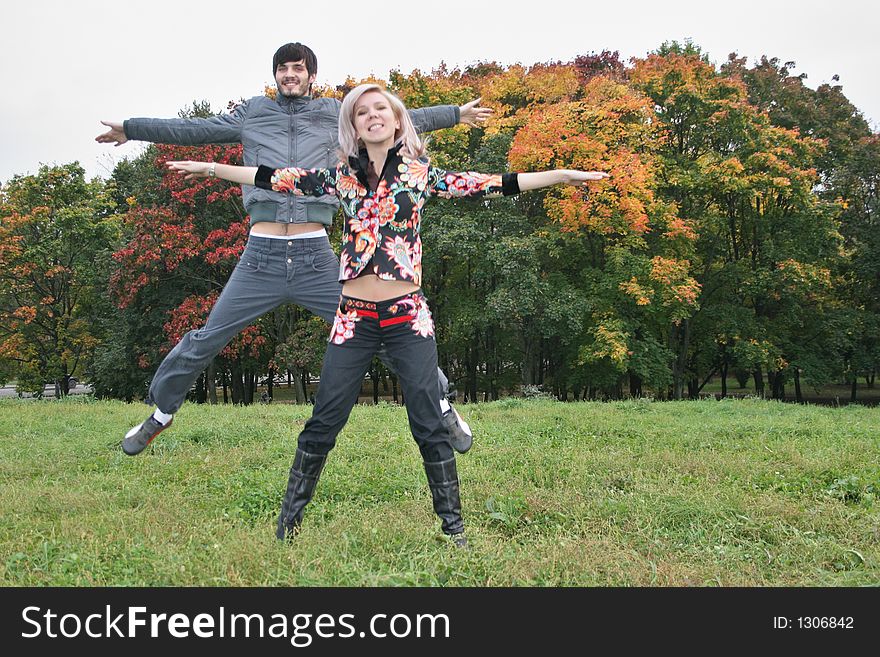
(447, 184)
(312, 182)
(540, 179)
(230, 172)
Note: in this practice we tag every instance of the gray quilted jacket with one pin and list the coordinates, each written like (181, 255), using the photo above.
(287, 132)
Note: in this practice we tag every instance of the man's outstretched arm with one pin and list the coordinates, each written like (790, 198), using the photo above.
(428, 119)
(220, 129)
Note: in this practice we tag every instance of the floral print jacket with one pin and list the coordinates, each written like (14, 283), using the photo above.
(382, 225)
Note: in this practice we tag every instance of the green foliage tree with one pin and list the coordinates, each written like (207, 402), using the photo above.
(54, 225)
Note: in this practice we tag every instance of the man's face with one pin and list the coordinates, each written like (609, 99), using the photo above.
(293, 79)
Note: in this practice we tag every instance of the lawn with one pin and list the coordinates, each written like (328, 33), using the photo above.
(696, 493)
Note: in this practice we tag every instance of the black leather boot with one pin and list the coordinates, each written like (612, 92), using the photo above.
(304, 474)
(443, 481)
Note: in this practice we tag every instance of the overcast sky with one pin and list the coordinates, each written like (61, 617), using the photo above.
(68, 64)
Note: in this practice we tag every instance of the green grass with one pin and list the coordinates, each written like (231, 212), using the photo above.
(632, 493)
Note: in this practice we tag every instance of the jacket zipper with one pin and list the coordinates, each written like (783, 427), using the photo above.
(291, 144)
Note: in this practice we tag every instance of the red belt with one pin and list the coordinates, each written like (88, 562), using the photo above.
(384, 322)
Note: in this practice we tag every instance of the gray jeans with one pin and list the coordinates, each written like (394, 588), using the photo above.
(270, 272)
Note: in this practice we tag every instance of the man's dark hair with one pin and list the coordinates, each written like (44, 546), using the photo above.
(294, 52)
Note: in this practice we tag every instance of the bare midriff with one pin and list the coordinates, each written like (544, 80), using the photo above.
(274, 228)
(370, 287)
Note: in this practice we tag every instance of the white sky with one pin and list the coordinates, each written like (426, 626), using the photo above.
(66, 64)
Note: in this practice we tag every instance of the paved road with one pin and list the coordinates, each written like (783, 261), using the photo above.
(48, 392)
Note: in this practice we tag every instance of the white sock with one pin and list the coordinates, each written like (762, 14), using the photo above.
(162, 418)
(464, 425)
(445, 406)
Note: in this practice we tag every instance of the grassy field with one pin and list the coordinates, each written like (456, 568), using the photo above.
(705, 493)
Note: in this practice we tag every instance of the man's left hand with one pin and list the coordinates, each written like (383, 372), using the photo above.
(473, 115)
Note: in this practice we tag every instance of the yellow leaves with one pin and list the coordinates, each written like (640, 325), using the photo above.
(633, 210)
(13, 347)
(516, 93)
(571, 208)
(680, 228)
(671, 77)
(25, 313)
(668, 270)
(731, 167)
(678, 289)
(326, 91)
(551, 83)
(642, 295)
(611, 342)
(610, 130)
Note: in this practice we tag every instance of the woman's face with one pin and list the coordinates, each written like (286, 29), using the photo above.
(374, 119)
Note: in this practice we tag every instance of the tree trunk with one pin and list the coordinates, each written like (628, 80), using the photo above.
(723, 380)
(528, 366)
(777, 381)
(759, 381)
(225, 382)
(270, 386)
(201, 390)
(635, 385)
(299, 391)
(237, 384)
(855, 385)
(250, 386)
(472, 374)
(798, 395)
(211, 381)
(680, 338)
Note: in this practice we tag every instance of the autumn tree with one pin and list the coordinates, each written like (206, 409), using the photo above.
(630, 247)
(53, 227)
(746, 187)
(847, 168)
(182, 239)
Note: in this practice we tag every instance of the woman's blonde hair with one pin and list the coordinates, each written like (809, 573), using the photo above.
(412, 146)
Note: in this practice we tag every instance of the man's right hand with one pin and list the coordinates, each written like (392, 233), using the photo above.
(115, 135)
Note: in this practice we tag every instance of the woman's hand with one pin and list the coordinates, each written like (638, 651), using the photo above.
(192, 169)
(581, 178)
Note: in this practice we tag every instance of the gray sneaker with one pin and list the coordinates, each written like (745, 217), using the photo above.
(460, 541)
(460, 436)
(139, 437)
